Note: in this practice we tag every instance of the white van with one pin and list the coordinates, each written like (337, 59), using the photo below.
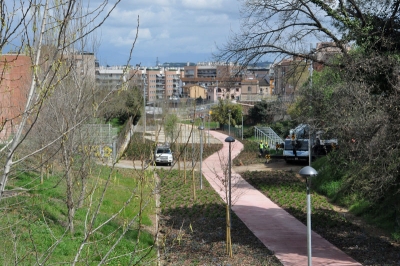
(163, 155)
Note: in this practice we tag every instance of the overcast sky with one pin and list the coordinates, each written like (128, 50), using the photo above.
(172, 30)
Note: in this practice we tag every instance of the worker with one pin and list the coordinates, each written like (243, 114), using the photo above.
(266, 145)
(261, 148)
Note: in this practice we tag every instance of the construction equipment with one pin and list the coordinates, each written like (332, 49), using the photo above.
(302, 140)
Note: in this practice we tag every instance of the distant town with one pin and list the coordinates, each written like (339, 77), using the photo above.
(212, 81)
(208, 81)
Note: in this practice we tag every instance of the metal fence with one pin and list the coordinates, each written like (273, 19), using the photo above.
(99, 134)
(266, 134)
(235, 132)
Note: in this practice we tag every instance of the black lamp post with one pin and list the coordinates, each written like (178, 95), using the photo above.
(201, 128)
(242, 125)
(230, 140)
(192, 122)
(229, 113)
(308, 172)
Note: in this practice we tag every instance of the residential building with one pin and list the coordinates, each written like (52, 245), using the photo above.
(325, 52)
(156, 83)
(250, 90)
(221, 81)
(110, 78)
(84, 64)
(14, 88)
(286, 74)
(196, 91)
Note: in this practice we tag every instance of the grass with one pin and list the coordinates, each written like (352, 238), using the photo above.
(289, 192)
(34, 224)
(250, 154)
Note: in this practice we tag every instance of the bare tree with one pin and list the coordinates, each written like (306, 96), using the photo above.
(44, 29)
(285, 27)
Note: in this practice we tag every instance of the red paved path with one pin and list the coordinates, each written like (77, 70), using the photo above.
(278, 230)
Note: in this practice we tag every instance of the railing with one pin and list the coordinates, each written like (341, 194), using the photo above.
(235, 132)
(266, 134)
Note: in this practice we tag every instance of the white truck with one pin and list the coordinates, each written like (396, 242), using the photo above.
(163, 155)
(296, 146)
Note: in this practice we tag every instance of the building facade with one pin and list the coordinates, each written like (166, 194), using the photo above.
(14, 89)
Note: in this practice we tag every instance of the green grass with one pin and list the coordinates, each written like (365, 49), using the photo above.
(249, 154)
(34, 224)
(285, 189)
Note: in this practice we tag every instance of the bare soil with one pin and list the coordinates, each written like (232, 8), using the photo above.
(272, 165)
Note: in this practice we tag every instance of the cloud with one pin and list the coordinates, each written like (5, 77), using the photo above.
(203, 4)
(169, 28)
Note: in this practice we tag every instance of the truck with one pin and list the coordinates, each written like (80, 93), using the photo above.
(163, 154)
(296, 146)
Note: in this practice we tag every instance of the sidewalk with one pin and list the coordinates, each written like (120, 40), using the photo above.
(277, 230)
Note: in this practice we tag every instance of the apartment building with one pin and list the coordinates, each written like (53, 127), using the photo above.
(84, 64)
(289, 73)
(221, 81)
(110, 78)
(324, 52)
(156, 83)
(14, 88)
(163, 83)
(286, 75)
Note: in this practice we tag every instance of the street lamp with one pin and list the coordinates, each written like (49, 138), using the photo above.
(230, 140)
(201, 128)
(192, 121)
(209, 117)
(242, 125)
(229, 113)
(308, 172)
(144, 104)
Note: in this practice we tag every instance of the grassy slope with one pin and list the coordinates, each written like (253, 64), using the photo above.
(34, 221)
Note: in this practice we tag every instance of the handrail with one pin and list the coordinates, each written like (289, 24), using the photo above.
(266, 134)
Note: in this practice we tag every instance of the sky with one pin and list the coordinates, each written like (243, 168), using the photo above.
(169, 30)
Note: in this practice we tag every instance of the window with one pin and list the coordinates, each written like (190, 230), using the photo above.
(249, 89)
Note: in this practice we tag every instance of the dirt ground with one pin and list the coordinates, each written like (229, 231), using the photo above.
(271, 166)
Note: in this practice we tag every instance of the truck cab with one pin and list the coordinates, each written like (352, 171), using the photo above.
(163, 155)
(297, 147)
(296, 150)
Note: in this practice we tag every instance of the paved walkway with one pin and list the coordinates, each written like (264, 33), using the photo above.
(277, 229)
(185, 134)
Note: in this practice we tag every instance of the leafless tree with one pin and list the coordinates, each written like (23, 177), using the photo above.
(285, 27)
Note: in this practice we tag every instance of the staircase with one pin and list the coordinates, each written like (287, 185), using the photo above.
(266, 134)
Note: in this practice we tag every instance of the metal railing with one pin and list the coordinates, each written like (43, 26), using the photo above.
(266, 134)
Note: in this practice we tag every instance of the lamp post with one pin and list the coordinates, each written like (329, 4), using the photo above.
(308, 172)
(144, 106)
(209, 116)
(192, 121)
(229, 113)
(230, 140)
(242, 125)
(201, 128)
